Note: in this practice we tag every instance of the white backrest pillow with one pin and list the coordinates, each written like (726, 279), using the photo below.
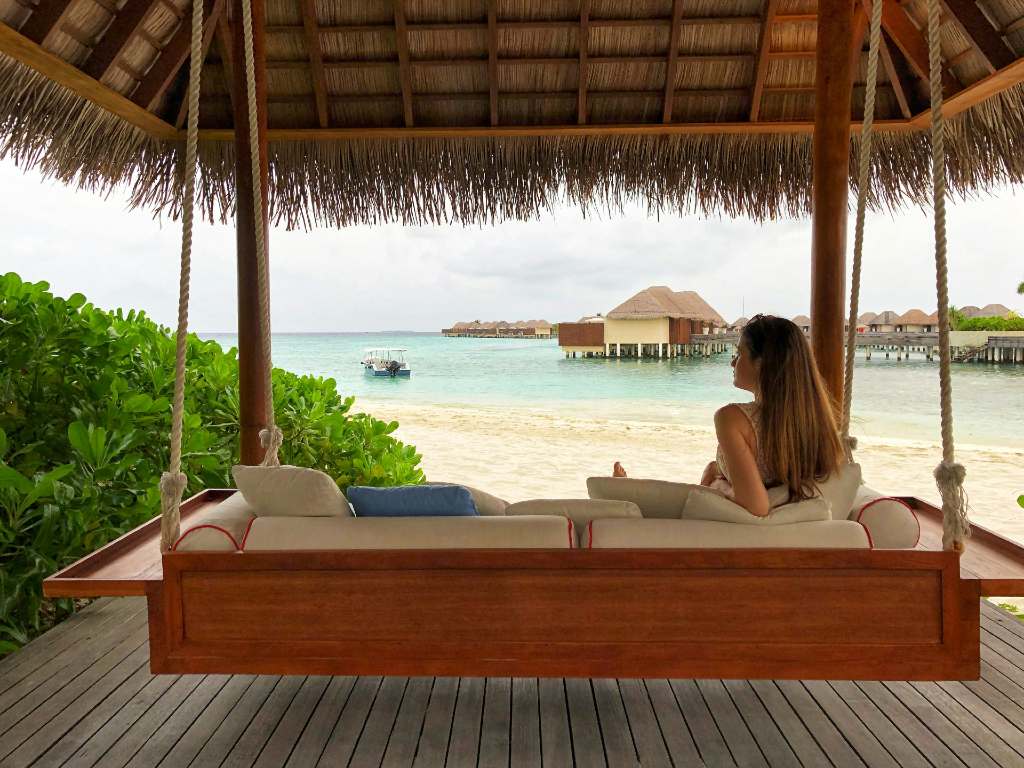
(705, 504)
(840, 490)
(487, 504)
(288, 491)
(655, 498)
(580, 511)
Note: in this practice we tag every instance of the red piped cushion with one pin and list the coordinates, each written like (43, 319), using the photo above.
(206, 538)
(890, 523)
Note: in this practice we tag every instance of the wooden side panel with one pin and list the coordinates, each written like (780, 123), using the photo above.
(581, 334)
(833, 614)
(679, 331)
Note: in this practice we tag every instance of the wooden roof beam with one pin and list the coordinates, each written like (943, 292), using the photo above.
(898, 70)
(975, 93)
(316, 61)
(167, 65)
(581, 71)
(45, 19)
(982, 34)
(209, 31)
(404, 75)
(115, 39)
(672, 61)
(861, 22)
(913, 45)
(224, 39)
(699, 58)
(492, 59)
(763, 52)
(54, 68)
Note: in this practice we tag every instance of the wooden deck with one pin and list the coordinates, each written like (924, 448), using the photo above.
(81, 695)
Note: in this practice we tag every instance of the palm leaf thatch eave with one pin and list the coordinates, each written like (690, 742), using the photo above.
(475, 180)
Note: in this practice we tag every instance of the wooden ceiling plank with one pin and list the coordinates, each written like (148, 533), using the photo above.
(46, 17)
(763, 53)
(492, 59)
(899, 76)
(404, 73)
(32, 55)
(115, 39)
(316, 61)
(912, 44)
(1013, 26)
(582, 70)
(985, 38)
(672, 61)
(209, 32)
(167, 65)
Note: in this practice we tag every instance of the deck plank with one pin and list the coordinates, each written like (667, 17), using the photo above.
(437, 723)
(496, 724)
(555, 735)
(83, 696)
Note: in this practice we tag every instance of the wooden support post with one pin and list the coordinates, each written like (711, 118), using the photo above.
(251, 362)
(831, 180)
(582, 74)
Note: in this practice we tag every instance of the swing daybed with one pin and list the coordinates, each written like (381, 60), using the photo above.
(562, 610)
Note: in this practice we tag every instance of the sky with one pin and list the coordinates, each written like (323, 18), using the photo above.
(557, 268)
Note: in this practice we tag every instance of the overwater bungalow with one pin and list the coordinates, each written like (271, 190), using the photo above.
(884, 322)
(916, 321)
(803, 322)
(655, 322)
(500, 329)
(521, 642)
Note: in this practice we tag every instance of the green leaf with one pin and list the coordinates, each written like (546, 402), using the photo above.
(1020, 500)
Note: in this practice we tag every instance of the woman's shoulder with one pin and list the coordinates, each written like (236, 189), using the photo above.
(739, 415)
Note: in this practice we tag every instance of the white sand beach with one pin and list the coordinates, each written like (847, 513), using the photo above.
(530, 452)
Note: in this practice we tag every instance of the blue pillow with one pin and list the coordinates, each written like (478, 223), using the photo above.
(411, 501)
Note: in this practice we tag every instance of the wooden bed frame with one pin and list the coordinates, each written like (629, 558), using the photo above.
(810, 614)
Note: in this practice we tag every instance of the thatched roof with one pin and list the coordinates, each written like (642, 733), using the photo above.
(661, 301)
(995, 310)
(802, 320)
(915, 317)
(888, 317)
(867, 318)
(428, 111)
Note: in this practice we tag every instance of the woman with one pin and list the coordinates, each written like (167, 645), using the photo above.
(788, 435)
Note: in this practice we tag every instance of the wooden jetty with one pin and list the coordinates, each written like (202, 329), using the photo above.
(81, 695)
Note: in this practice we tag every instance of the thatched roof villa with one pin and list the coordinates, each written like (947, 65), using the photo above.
(655, 322)
(500, 329)
(916, 321)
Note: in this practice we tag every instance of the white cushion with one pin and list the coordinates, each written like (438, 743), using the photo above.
(655, 498)
(840, 489)
(704, 504)
(218, 528)
(580, 511)
(890, 523)
(301, 533)
(290, 491)
(705, 534)
(487, 504)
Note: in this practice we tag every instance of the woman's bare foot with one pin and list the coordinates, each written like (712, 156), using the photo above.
(617, 470)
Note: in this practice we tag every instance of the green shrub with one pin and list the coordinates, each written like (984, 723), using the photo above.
(991, 324)
(84, 423)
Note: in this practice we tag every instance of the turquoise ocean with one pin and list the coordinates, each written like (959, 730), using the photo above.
(892, 400)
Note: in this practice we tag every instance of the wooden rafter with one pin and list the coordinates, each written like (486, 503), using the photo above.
(672, 61)
(899, 75)
(1005, 78)
(860, 31)
(913, 45)
(566, 61)
(1013, 26)
(223, 38)
(985, 38)
(168, 63)
(53, 67)
(122, 29)
(582, 70)
(763, 52)
(404, 72)
(209, 32)
(492, 59)
(46, 17)
(316, 61)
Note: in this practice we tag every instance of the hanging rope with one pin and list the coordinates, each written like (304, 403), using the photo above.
(270, 437)
(949, 475)
(173, 481)
(863, 182)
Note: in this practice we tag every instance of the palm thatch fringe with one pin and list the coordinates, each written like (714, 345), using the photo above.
(492, 179)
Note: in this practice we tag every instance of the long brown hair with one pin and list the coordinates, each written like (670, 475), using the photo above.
(799, 439)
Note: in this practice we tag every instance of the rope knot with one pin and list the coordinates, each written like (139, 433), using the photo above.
(950, 474)
(271, 440)
(949, 477)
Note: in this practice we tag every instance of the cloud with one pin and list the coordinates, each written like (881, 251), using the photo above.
(423, 278)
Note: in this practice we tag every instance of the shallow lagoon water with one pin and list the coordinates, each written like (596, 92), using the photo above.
(892, 400)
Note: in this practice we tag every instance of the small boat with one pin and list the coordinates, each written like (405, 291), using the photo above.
(386, 362)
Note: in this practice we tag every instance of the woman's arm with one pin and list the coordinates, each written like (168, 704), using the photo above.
(735, 437)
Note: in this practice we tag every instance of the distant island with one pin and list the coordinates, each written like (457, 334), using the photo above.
(502, 329)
